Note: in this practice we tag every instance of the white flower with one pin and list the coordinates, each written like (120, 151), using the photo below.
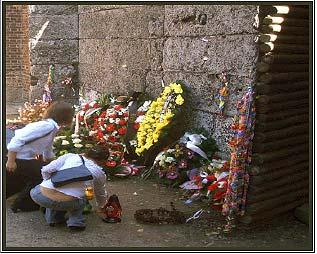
(204, 181)
(89, 145)
(117, 120)
(59, 137)
(170, 150)
(65, 143)
(139, 119)
(133, 142)
(76, 140)
(102, 128)
(169, 159)
(78, 145)
(111, 120)
(91, 104)
(91, 133)
(74, 135)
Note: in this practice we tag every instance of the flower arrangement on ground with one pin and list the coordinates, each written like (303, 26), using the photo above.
(106, 122)
(156, 129)
(32, 112)
(173, 165)
(209, 182)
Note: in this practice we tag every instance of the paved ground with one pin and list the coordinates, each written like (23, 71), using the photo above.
(29, 230)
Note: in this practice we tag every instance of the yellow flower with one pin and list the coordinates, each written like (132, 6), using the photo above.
(178, 89)
(167, 90)
(168, 115)
(179, 100)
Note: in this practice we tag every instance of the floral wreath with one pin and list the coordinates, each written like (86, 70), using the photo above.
(158, 116)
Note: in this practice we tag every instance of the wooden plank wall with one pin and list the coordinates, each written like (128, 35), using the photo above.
(280, 168)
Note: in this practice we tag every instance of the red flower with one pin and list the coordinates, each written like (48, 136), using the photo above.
(122, 122)
(211, 178)
(103, 114)
(102, 123)
(112, 139)
(118, 107)
(219, 195)
(110, 128)
(100, 134)
(126, 114)
(113, 116)
(96, 105)
(111, 164)
(136, 126)
(122, 131)
(81, 118)
(86, 107)
(212, 187)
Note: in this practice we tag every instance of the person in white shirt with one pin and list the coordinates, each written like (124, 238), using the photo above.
(70, 198)
(34, 140)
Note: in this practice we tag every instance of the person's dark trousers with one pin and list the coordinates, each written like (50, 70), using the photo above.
(26, 176)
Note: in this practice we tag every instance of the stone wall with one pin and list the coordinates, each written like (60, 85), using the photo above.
(124, 48)
(17, 54)
(54, 41)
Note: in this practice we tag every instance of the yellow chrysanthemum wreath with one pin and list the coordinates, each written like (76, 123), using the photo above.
(159, 115)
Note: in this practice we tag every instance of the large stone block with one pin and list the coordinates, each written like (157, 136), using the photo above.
(237, 54)
(136, 22)
(204, 89)
(218, 126)
(36, 93)
(53, 9)
(103, 7)
(156, 51)
(188, 20)
(53, 27)
(117, 81)
(154, 83)
(53, 52)
(115, 53)
(40, 72)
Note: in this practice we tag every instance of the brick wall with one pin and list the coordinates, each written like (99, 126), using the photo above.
(17, 54)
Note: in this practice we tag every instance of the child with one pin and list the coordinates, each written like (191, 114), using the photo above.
(71, 197)
(35, 139)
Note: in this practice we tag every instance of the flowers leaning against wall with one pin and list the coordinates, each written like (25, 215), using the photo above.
(160, 114)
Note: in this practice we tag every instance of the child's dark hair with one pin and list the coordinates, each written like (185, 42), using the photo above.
(98, 152)
(61, 112)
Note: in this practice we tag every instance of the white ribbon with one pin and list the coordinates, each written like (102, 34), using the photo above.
(192, 142)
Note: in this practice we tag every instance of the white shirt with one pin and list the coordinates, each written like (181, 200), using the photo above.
(77, 189)
(42, 145)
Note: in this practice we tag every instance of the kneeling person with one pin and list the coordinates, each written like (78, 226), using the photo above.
(70, 198)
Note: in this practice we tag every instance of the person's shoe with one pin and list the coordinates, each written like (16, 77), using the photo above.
(76, 229)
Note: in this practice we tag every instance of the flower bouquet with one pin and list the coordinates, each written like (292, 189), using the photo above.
(106, 121)
(32, 112)
(209, 182)
(156, 128)
(173, 165)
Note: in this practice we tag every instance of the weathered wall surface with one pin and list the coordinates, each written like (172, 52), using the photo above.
(53, 40)
(17, 54)
(124, 48)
